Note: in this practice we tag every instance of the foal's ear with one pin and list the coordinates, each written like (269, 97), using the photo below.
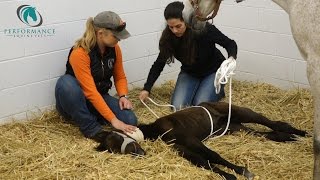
(141, 152)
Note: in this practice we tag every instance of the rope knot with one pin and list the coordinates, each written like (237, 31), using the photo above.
(224, 73)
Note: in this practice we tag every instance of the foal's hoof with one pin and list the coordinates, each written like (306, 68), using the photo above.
(281, 136)
(287, 128)
(285, 137)
(229, 177)
(301, 133)
(248, 174)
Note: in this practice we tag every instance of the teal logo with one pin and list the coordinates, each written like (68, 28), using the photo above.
(33, 19)
(29, 16)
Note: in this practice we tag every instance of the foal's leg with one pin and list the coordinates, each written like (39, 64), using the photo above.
(272, 135)
(246, 115)
(195, 151)
(199, 161)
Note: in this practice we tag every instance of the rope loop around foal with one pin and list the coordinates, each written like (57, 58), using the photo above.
(174, 109)
(225, 72)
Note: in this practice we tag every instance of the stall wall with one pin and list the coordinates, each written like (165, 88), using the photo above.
(32, 58)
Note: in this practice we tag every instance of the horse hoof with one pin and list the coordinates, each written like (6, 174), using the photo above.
(248, 174)
(229, 177)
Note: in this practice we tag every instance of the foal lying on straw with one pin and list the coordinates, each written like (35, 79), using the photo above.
(186, 129)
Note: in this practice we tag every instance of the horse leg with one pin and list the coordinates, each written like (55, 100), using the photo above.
(313, 72)
(272, 135)
(277, 136)
(246, 115)
(195, 151)
(316, 142)
(199, 161)
(307, 12)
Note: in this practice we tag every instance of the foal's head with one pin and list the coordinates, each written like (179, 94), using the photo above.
(120, 143)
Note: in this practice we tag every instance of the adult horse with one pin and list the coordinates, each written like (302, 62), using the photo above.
(304, 16)
(196, 15)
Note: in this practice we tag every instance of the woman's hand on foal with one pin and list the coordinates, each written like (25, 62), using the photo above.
(116, 123)
(143, 95)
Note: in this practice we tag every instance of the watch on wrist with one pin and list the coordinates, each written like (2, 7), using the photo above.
(125, 96)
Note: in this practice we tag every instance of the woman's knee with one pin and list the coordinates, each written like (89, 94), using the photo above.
(129, 117)
(68, 87)
(212, 97)
(181, 100)
(179, 104)
(69, 95)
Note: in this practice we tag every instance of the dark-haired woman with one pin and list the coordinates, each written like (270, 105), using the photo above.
(198, 55)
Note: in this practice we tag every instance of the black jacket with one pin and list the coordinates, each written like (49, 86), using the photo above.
(101, 68)
(207, 60)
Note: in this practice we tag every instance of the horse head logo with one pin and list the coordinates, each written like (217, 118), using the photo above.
(29, 15)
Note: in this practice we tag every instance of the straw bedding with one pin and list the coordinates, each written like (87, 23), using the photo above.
(49, 148)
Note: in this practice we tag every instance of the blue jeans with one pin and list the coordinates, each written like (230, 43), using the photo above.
(72, 104)
(191, 91)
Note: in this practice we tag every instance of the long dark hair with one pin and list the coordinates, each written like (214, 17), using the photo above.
(167, 41)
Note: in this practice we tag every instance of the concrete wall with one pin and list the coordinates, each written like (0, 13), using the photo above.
(30, 66)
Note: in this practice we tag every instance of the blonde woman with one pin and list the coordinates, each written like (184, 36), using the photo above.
(82, 93)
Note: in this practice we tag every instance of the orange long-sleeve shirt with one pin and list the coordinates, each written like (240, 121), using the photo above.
(80, 62)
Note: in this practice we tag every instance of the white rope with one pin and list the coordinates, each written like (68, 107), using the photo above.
(211, 121)
(167, 105)
(223, 73)
(174, 109)
(229, 114)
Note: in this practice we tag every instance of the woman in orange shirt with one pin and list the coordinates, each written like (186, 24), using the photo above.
(82, 93)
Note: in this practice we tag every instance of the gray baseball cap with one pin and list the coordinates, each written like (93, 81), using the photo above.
(111, 20)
